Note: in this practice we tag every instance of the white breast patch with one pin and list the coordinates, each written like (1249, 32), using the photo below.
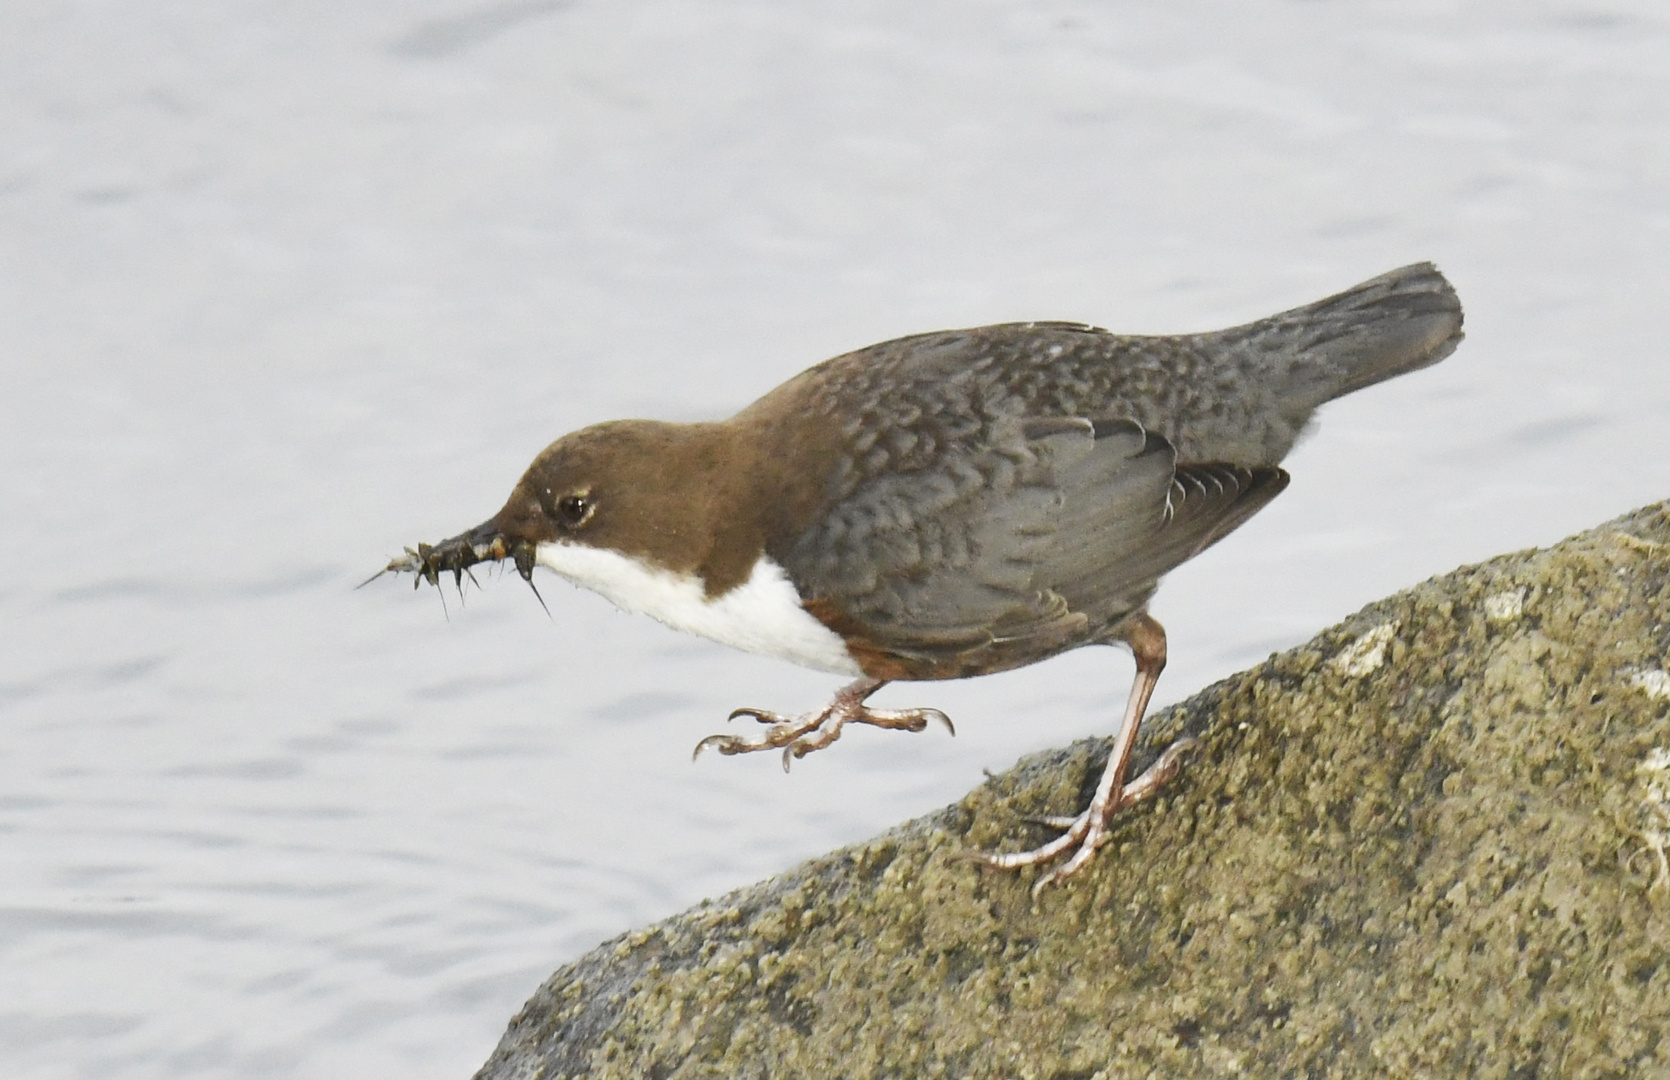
(762, 615)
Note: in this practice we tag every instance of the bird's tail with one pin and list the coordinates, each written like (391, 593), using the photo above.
(1399, 322)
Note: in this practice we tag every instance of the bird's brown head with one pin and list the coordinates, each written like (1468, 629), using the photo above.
(674, 497)
(652, 490)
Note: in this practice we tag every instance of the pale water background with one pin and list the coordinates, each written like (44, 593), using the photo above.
(287, 285)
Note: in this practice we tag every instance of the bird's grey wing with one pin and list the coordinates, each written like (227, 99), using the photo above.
(952, 563)
(1107, 560)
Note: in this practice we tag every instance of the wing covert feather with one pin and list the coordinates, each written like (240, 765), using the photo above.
(1053, 530)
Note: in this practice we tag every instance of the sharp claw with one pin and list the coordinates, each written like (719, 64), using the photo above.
(1188, 744)
(712, 740)
(935, 714)
(1045, 879)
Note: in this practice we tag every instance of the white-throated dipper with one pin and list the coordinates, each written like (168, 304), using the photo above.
(955, 504)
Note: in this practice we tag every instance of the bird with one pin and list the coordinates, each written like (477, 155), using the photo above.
(953, 504)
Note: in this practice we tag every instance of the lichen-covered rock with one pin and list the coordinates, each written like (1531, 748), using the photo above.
(1430, 843)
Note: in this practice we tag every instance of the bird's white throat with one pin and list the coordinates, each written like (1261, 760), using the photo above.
(762, 615)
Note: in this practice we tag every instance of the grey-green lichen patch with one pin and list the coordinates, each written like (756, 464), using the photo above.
(1429, 843)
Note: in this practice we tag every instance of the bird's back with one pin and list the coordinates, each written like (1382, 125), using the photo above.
(1240, 395)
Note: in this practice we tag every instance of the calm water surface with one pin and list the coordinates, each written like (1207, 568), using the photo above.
(286, 286)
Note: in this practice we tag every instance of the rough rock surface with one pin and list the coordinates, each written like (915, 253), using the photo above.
(1429, 843)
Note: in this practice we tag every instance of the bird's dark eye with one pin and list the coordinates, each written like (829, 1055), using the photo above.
(575, 509)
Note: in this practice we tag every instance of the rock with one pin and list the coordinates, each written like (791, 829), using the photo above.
(1430, 843)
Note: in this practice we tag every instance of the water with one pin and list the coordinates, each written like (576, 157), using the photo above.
(284, 287)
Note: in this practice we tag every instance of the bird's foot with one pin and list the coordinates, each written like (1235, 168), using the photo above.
(1087, 832)
(800, 735)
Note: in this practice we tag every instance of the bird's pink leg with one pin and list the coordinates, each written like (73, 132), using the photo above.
(1089, 830)
(800, 735)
